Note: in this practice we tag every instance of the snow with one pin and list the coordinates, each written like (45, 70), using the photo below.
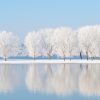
(49, 61)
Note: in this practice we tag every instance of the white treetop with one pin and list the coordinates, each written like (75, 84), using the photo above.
(8, 44)
(89, 40)
(48, 42)
(65, 41)
(32, 42)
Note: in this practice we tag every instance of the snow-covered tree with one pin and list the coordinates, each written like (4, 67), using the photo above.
(89, 40)
(66, 41)
(9, 43)
(48, 42)
(32, 43)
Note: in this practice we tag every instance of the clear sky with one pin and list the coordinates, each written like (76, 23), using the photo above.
(22, 16)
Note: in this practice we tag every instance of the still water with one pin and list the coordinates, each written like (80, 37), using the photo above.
(50, 81)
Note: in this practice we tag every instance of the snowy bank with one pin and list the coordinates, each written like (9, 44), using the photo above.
(49, 61)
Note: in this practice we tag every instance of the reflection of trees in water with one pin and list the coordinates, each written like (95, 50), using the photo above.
(63, 79)
(33, 79)
(63, 82)
(83, 66)
(89, 80)
(49, 69)
(52, 78)
(8, 78)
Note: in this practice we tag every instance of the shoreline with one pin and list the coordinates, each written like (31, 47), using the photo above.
(49, 61)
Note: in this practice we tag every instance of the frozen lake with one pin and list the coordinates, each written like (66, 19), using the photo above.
(50, 81)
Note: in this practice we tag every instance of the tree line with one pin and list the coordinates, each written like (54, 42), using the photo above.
(63, 42)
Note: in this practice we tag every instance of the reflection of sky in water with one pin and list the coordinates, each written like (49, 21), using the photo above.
(50, 81)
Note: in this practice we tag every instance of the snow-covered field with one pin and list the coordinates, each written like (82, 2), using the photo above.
(47, 61)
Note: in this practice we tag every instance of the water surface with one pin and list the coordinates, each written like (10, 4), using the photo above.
(50, 81)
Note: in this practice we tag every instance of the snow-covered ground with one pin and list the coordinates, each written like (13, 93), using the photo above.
(47, 61)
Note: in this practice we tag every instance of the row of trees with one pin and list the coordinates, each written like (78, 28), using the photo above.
(63, 42)
(48, 42)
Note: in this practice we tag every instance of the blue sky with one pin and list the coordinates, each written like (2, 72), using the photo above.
(22, 16)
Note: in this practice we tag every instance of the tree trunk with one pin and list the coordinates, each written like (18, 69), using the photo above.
(87, 55)
(70, 55)
(5, 58)
(34, 56)
(92, 58)
(49, 57)
(81, 55)
(64, 58)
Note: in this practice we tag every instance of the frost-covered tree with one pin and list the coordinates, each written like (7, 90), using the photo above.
(48, 42)
(8, 44)
(89, 40)
(32, 43)
(66, 41)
